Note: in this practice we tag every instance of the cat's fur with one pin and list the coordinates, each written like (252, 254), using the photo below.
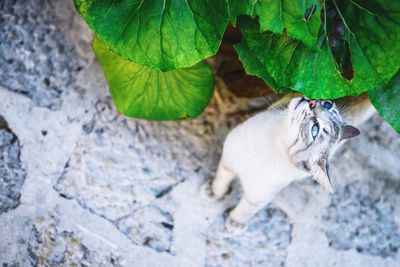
(273, 148)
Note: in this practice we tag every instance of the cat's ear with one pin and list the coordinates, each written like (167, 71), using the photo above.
(320, 173)
(349, 131)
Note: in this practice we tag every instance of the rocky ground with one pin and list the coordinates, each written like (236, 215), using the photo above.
(81, 185)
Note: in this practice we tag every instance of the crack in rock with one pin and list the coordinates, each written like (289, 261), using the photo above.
(149, 226)
(12, 174)
(124, 169)
(37, 59)
(14, 264)
(50, 246)
(264, 243)
(360, 222)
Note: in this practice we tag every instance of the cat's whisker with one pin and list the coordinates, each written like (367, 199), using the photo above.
(342, 107)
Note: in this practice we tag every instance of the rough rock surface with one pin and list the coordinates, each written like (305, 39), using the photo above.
(36, 58)
(48, 246)
(12, 174)
(81, 185)
(263, 244)
(372, 229)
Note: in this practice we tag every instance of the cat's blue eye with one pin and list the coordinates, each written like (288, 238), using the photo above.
(314, 130)
(327, 105)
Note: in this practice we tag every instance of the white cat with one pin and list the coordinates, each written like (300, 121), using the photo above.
(274, 148)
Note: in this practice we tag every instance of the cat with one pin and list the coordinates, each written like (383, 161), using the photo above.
(289, 141)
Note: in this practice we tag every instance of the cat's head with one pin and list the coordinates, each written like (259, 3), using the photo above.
(315, 128)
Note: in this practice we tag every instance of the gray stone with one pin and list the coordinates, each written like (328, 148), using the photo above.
(263, 244)
(13, 264)
(12, 174)
(47, 245)
(149, 226)
(36, 57)
(356, 221)
(381, 147)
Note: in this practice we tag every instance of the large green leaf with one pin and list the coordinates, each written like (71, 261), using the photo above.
(165, 34)
(387, 101)
(285, 63)
(300, 18)
(142, 92)
(372, 30)
(372, 34)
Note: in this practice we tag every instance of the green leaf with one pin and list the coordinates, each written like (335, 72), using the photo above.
(165, 34)
(300, 18)
(142, 92)
(370, 34)
(285, 63)
(387, 101)
(372, 30)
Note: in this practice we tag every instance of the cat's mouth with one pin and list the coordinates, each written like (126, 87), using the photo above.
(314, 106)
(302, 109)
(312, 103)
(301, 100)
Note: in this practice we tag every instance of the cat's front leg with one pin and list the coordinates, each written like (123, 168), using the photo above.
(239, 216)
(215, 190)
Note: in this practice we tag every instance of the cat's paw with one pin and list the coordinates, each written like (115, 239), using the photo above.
(207, 194)
(234, 227)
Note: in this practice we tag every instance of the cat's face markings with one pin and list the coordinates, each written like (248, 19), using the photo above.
(313, 122)
(315, 128)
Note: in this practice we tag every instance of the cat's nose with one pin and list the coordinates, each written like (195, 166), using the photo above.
(312, 103)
